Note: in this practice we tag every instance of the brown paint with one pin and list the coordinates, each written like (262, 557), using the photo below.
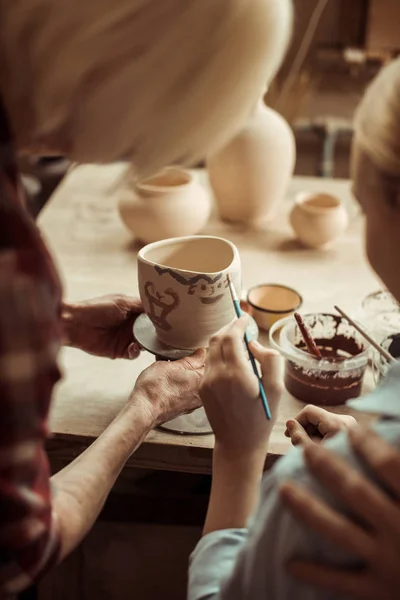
(326, 387)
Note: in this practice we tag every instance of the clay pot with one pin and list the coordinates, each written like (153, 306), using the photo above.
(170, 204)
(183, 287)
(251, 174)
(318, 219)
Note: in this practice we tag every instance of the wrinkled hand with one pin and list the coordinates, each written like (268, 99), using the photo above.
(103, 326)
(314, 424)
(230, 392)
(169, 389)
(373, 536)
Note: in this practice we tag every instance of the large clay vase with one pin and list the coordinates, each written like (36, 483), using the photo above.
(251, 174)
(170, 204)
(184, 289)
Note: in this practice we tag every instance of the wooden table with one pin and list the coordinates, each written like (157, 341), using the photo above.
(96, 255)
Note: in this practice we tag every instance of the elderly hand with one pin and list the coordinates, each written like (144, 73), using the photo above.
(169, 389)
(314, 424)
(230, 392)
(373, 536)
(103, 326)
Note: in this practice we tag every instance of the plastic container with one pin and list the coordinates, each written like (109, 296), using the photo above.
(335, 378)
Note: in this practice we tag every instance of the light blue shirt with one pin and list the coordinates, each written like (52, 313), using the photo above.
(238, 564)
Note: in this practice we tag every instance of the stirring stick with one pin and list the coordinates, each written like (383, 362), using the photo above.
(307, 337)
(239, 313)
(373, 343)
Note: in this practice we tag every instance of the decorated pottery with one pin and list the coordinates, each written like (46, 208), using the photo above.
(170, 204)
(250, 175)
(184, 289)
(318, 219)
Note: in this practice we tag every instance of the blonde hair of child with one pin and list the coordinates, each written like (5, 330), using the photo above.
(377, 120)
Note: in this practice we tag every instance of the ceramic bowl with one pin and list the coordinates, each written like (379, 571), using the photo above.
(172, 203)
(318, 219)
(271, 302)
(184, 289)
(335, 378)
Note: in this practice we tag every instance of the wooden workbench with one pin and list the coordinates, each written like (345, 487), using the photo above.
(96, 256)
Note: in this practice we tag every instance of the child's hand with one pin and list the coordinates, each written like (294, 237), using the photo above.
(314, 424)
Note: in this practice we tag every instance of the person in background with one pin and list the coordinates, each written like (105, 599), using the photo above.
(150, 82)
(238, 558)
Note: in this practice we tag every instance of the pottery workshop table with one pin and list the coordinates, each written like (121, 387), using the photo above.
(96, 255)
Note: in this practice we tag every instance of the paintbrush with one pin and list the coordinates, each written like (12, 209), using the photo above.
(369, 339)
(239, 313)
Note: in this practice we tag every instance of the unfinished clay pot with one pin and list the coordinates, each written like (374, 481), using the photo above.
(184, 290)
(318, 219)
(170, 204)
(251, 174)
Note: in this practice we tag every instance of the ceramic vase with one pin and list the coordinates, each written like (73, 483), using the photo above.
(318, 219)
(250, 175)
(170, 204)
(184, 289)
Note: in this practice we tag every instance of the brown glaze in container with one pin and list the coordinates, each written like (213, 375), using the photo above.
(339, 375)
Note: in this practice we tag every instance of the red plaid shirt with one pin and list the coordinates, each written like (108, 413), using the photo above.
(30, 300)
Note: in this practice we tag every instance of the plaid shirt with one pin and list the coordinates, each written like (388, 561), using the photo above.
(30, 300)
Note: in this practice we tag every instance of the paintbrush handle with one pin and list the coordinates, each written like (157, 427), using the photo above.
(237, 308)
(369, 339)
(260, 383)
(239, 313)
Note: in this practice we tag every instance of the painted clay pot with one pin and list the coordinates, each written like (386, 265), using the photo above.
(184, 290)
(170, 204)
(318, 219)
(251, 174)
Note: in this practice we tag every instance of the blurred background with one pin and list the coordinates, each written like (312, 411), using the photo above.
(337, 48)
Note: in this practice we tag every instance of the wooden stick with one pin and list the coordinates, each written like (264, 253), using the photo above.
(369, 339)
(307, 337)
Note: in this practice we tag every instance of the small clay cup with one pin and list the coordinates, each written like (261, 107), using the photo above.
(329, 381)
(318, 219)
(270, 302)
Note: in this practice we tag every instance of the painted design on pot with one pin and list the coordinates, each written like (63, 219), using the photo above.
(184, 281)
(159, 309)
(209, 286)
(211, 294)
(195, 268)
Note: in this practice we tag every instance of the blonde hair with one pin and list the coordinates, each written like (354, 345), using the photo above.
(377, 120)
(170, 80)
